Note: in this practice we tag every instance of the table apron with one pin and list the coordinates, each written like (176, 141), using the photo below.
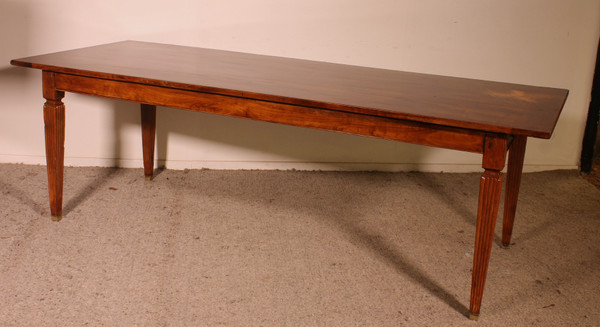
(289, 114)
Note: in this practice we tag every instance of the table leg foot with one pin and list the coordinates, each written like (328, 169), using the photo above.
(473, 316)
(505, 245)
(56, 217)
(148, 178)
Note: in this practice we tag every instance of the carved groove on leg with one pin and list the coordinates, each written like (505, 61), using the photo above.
(54, 129)
(489, 200)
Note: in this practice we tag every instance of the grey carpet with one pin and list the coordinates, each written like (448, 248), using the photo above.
(289, 248)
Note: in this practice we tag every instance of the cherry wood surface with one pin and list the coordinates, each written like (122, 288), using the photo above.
(148, 122)
(484, 117)
(516, 155)
(450, 101)
(303, 116)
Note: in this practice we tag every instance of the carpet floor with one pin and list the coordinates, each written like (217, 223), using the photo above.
(290, 248)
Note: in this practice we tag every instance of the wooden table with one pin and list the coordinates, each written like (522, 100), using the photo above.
(478, 116)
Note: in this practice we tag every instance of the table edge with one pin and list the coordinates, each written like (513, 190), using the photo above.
(297, 101)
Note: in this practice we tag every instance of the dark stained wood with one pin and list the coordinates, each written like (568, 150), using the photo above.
(448, 112)
(516, 156)
(148, 122)
(54, 130)
(346, 122)
(490, 188)
(458, 102)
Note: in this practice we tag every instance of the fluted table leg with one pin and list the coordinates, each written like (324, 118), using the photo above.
(490, 189)
(54, 130)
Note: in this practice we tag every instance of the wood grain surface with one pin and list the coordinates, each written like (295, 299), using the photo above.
(450, 101)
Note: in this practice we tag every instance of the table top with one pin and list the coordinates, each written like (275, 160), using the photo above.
(441, 100)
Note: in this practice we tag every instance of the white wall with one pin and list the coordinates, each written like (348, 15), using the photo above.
(539, 42)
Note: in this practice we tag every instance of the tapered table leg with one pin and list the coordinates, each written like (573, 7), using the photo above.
(148, 137)
(516, 155)
(490, 189)
(54, 130)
